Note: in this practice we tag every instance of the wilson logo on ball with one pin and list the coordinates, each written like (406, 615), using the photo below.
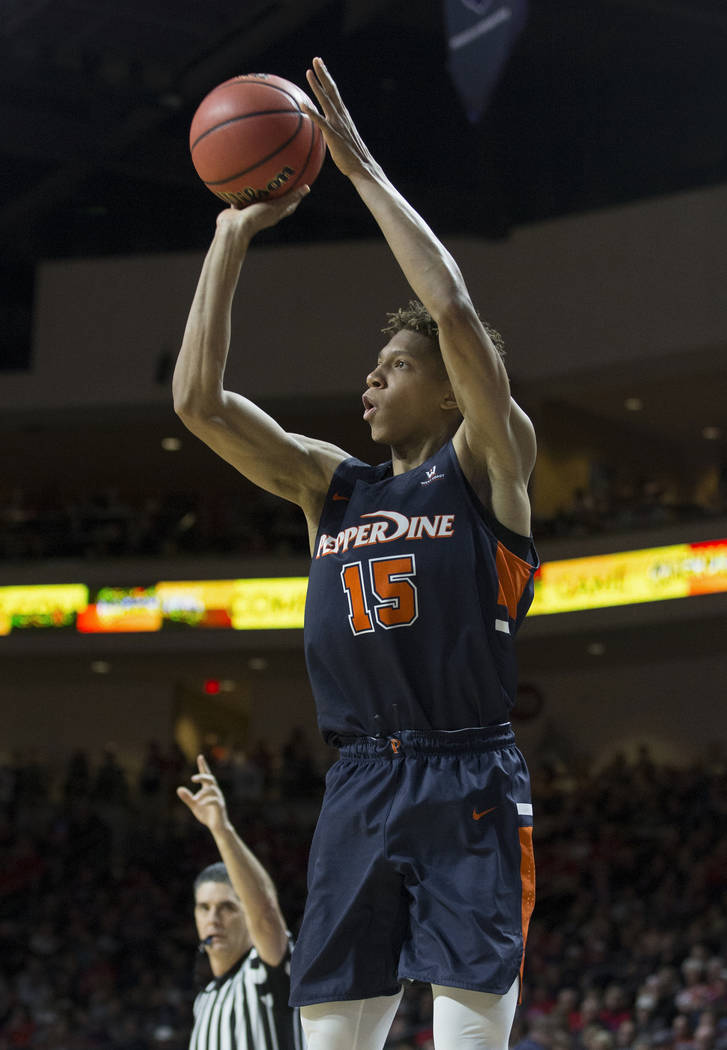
(249, 194)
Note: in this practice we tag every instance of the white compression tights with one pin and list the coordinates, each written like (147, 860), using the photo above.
(473, 1020)
(360, 1024)
(463, 1020)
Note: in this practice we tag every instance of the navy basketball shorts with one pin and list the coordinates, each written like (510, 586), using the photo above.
(421, 868)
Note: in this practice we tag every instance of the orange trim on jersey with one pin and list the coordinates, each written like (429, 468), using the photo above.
(513, 575)
(527, 880)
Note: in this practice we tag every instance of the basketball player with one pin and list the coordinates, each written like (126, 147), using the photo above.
(421, 865)
(240, 927)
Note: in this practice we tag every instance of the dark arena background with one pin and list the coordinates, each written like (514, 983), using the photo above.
(150, 598)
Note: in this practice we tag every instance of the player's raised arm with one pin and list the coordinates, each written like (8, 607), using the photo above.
(497, 438)
(294, 467)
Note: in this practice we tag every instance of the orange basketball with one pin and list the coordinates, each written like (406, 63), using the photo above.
(250, 141)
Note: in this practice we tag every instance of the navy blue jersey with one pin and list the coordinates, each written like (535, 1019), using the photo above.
(414, 599)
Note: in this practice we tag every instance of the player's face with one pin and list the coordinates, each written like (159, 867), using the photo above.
(406, 390)
(219, 915)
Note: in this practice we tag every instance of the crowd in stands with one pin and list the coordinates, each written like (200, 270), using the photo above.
(638, 503)
(627, 947)
(106, 525)
(250, 522)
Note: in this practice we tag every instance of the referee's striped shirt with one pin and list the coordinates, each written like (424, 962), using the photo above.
(247, 1009)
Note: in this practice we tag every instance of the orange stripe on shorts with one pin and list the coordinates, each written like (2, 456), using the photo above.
(527, 879)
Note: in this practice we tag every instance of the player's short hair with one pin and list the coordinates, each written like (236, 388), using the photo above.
(212, 873)
(416, 318)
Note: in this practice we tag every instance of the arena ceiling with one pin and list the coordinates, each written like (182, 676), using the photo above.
(603, 101)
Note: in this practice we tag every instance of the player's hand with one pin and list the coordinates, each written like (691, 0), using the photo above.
(258, 216)
(348, 150)
(208, 804)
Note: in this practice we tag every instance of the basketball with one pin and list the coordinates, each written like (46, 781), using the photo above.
(250, 141)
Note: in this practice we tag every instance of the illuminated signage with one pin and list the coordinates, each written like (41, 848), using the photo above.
(197, 603)
(45, 605)
(278, 603)
(631, 577)
(118, 610)
(269, 603)
(274, 603)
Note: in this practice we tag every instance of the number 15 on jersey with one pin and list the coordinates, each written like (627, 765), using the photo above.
(381, 593)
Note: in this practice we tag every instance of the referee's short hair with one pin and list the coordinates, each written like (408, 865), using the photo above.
(212, 873)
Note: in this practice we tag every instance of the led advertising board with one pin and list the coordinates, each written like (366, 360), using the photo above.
(278, 603)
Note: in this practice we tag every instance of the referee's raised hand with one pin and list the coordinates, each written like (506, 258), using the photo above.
(254, 890)
(208, 804)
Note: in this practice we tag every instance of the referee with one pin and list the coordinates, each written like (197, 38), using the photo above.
(242, 930)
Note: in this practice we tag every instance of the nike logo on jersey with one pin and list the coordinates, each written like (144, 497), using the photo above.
(482, 813)
(391, 525)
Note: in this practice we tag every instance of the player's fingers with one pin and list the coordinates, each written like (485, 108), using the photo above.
(186, 795)
(326, 80)
(324, 88)
(337, 118)
(202, 764)
(284, 206)
(310, 111)
(295, 198)
(308, 106)
(317, 89)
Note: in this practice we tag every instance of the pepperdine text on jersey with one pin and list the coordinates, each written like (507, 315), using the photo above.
(441, 526)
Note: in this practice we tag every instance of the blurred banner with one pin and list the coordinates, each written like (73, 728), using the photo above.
(627, 578)
(278, 603)
(480, 37)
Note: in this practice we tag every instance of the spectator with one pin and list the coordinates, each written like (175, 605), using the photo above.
(539, 1035)
(150, 777)
(78, 776)
(110, 786)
